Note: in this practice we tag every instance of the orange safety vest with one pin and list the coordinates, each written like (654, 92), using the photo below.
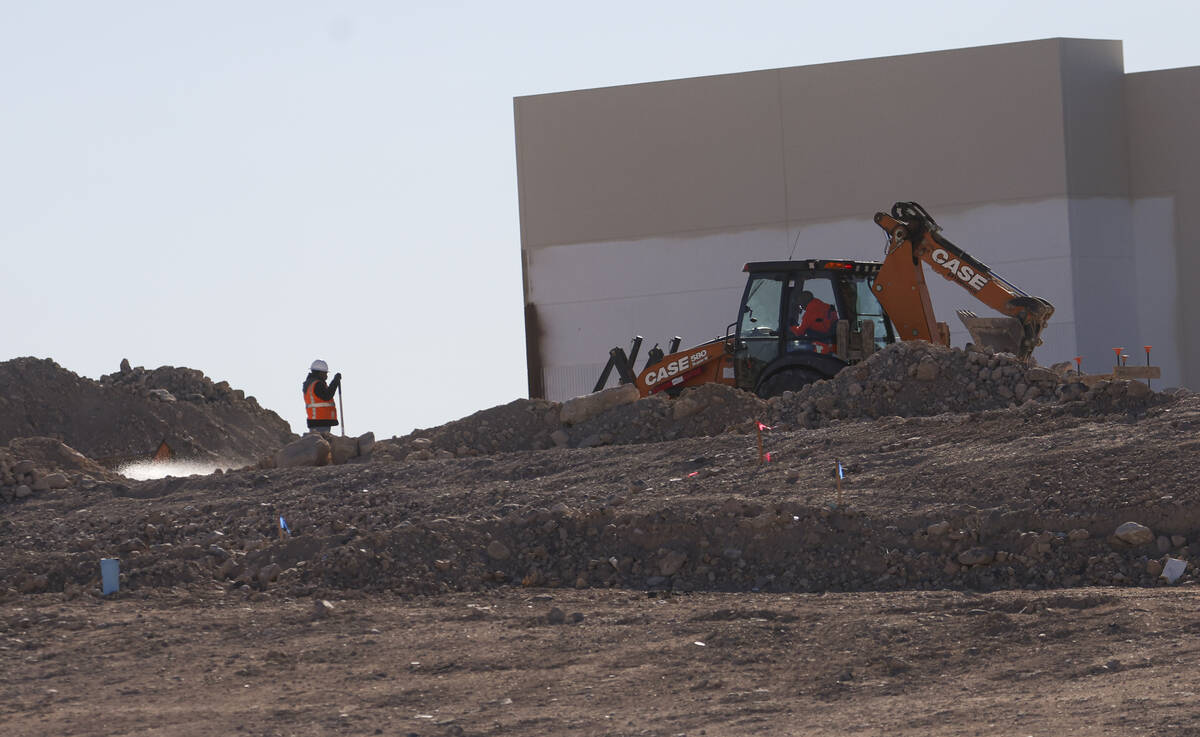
(317, 408)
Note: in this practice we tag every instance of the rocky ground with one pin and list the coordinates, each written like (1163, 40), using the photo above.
(991, 563)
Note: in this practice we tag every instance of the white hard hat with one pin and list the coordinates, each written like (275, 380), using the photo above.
(319, 365)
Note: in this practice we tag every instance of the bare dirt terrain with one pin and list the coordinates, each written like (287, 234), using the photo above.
(967, 579)
(199, 662)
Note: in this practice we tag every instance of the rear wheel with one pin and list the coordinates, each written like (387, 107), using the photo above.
(787, 380)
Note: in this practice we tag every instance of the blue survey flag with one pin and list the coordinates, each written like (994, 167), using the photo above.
(283, 525)
(841, 474)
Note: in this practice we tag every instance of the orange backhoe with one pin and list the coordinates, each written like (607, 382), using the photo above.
(869, 305)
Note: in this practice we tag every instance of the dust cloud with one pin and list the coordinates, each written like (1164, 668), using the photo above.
(147, 470)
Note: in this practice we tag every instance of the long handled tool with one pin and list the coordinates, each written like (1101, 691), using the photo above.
(341, 412)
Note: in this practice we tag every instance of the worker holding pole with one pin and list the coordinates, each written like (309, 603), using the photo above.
(319, 407)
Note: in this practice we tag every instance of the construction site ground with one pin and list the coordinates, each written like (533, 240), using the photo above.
(966, 580)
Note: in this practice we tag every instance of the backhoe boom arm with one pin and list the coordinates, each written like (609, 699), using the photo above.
(913, 240)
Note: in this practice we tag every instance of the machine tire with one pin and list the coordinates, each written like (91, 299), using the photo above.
(788, 380)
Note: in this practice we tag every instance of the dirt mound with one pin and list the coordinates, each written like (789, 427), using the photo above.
(53, 455)
(914, 379)
(35, 465)
(705, 410)
(524, 425)
(127, 415)
(1002, 476)
(1003, 499)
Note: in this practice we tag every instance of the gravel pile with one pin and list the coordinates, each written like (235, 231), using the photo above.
(524, 425)
(127, 415)
(35, 466)
(915, 379)
(170, 384)
(740, 545)
(705, 410)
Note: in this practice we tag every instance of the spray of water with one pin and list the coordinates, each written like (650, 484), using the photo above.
(146, 470)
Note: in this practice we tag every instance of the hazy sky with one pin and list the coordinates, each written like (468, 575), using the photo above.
(242, 187)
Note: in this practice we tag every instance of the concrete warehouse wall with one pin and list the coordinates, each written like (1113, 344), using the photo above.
(1163, 113)
(639, 204)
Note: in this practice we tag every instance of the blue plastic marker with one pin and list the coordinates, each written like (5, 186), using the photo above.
(841, 475)
(110, 575)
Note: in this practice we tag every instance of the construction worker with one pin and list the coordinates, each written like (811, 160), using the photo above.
(819, 320)
(319, 406)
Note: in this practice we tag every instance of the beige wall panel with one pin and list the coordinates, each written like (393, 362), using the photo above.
(966, 126)
(1162, 112)
(1093, 80)
(623, 162)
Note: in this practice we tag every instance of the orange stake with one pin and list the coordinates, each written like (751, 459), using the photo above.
(762, 427)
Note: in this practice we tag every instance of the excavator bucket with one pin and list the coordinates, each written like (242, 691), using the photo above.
(1001, 334)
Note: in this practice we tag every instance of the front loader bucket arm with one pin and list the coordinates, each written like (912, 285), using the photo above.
(703, 364)
(622, 362)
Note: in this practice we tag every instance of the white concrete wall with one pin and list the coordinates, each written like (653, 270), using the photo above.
(1159, 304)
(661, 287)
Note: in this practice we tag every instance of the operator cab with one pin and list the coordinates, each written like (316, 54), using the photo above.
(771, 356)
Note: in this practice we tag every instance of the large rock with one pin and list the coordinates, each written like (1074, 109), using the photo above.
(671, 561)
(310, 450)
(1133, 533)
(976, 556)
(343, 448)
(497, 550)
(581, 409)
(366, 444)
(51, 481)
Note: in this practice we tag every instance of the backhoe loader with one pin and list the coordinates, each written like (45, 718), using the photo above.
(871, 304)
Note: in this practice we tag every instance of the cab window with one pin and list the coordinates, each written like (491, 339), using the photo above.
(821, 288)
(869, 310)
(760, 315)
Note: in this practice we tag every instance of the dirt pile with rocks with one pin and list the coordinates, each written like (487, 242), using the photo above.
(913, 379)
(524, 425)
(1031, 495)
(920, 379)
(963, 469)
(126, 415)
(34, 465)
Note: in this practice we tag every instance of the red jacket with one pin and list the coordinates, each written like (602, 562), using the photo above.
(820, 318)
